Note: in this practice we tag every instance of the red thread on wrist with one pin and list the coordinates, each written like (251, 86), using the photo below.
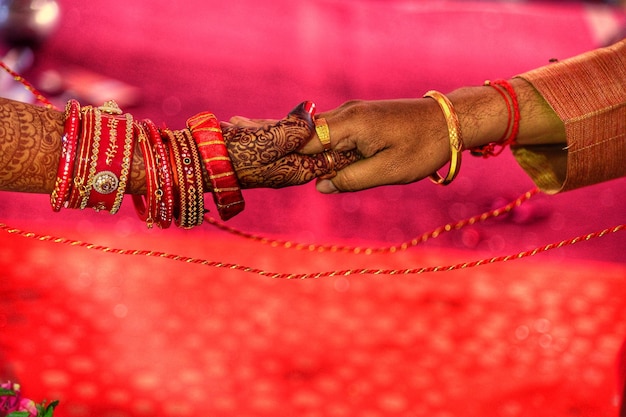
(510, 134)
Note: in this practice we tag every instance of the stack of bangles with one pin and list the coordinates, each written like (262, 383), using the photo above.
(97, 151)
(456, 138)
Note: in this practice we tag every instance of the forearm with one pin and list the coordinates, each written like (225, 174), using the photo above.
(30, 148)
(90, 157)
(483, 116)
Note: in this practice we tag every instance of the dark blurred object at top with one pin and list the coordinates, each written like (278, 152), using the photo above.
(27, 22)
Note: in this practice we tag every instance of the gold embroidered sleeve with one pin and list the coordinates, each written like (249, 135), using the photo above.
(587, 93)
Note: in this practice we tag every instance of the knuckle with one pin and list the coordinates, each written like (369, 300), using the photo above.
(355, 108)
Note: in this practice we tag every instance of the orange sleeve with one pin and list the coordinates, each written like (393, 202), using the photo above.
(588, 93)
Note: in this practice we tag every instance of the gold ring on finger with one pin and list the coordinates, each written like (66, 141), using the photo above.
(323, 132)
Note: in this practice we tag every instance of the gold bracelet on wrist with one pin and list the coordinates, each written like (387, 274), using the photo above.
(454, 133)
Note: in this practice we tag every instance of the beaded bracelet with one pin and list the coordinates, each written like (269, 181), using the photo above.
(207, 134)
(147, 206)
(166, 202)
(90, 132)
(188, 183)
(510, 134)
(455, 136)
(62, 185)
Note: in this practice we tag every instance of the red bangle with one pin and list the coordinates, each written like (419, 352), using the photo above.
(106, 152)
(61, 190)
(147, 206)
(110, 164)
(166, 202)
(90, 131)
(188, 184)
(206, 132)
(510, 134)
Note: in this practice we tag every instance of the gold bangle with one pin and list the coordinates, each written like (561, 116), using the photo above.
(454, 133)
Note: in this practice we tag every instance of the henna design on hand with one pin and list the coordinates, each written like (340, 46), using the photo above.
(296, 169)
(264, 157)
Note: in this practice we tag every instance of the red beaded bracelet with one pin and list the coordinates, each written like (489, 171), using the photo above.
(166, 202)
(188, 184)
(62, 185)
(147, 206)
(207, 133)
(510, 134)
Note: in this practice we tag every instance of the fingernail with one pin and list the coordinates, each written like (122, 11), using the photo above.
(309, 107)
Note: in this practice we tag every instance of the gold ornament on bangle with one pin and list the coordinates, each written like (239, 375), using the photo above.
(105, 182)
(323, 132)
(111, 107)
(126, 162)
(93, 164)
(455, 136)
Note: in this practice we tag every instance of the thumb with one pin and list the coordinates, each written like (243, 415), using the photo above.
(297, 127)
(326, 186)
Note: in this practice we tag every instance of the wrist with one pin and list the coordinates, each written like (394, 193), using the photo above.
(483, 114)
(539, 124)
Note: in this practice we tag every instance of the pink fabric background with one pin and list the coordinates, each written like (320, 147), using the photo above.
(260, 60)
(123, 336)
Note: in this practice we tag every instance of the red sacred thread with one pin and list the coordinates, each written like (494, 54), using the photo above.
(320, 248)
(40, 97)
(516, 111)
(311, 275)
(388, 249)
(510, 134)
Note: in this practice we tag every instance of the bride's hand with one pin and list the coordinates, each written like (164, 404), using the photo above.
(264, 152)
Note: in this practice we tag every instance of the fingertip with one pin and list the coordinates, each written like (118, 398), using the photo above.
(326, 187)
(309, 107)
(305, 110)
(238, 120)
